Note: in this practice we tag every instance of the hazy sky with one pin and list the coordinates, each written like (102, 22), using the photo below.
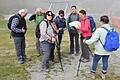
(95, 7)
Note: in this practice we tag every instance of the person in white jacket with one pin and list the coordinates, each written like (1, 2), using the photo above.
(99, 52)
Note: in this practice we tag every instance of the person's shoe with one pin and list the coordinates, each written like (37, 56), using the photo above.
(51, 62)
(103, 76)
(26, 59)
(71, 52)
(76, 54)
(38, 55)
(21, 62)
(90, 75)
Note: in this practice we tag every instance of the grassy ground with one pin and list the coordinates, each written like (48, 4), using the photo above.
(10, 69)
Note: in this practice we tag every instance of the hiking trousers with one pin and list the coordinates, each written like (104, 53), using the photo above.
(38, 47)
(20, 47)
(46, 53)
(85, 48)
(96, 59)
(74, 36)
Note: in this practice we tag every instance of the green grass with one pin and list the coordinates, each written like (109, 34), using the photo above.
(10, 69)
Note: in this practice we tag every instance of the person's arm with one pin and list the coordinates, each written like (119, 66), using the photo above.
(43, 28)
(68, 21)
(95, 37)
(14, 24)
(32, 17)
(64, 23)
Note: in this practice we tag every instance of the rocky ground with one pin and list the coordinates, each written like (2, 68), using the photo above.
(70, 64)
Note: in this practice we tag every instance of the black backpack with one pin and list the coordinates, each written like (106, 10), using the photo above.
(37, 30)
(10, 20)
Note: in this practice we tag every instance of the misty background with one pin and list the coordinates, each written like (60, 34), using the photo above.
(93, 7)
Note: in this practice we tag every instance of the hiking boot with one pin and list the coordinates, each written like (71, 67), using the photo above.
(77, 54)
(103, 76)
(90, 75)
(21, 62)
(51, 62)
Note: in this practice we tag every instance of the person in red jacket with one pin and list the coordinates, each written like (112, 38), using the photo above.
(85, 30)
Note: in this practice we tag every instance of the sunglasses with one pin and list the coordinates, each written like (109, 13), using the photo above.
(49, 14)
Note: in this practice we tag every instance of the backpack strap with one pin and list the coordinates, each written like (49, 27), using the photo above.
(101, 41)
(107, 31)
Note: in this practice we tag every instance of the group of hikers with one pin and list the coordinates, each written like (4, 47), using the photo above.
(50, 28)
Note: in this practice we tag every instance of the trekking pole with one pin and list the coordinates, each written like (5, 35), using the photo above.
(79, 64)
(80, 57)
(59, 54)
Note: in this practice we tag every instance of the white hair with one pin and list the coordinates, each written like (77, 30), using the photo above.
(22, 10)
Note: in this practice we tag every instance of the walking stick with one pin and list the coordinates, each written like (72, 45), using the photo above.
(59, 53)
(80, 57)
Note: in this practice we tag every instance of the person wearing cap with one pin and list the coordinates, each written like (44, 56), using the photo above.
(47, 39)
(60, 23)
(38, 16)
(18, 30)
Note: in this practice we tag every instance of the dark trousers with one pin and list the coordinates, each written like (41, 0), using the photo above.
(60, 39)
(85, 48)
(74, 35)
(20, 47)
(52, 47)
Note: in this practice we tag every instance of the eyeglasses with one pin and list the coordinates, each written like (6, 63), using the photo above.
(49, 15)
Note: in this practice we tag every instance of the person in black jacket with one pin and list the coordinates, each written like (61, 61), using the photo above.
(18, 30)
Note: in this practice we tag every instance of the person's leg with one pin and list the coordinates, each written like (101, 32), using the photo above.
(96, 59)
(105, 65)
(77, 42)
(52, 47)
(17, 42)
(71, 35)
(85, 50)
(46, 51)
(60, 39)
(38, 46)
(23, 45)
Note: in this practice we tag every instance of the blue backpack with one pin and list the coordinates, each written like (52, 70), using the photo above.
(92, 24)
(111, 40)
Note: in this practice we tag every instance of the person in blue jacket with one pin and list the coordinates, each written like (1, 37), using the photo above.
(60, 23)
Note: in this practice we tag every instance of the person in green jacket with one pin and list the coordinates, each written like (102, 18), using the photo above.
(99, 52)
(38, 16)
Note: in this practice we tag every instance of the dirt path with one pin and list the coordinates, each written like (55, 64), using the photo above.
(70, 64)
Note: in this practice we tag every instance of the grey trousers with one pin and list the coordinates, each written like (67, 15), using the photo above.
(20, 47)
(38, 47)
(46, 51)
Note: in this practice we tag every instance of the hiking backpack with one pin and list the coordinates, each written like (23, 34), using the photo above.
(111, 40)
(92, 24)
(10, 20)
(37, 30)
